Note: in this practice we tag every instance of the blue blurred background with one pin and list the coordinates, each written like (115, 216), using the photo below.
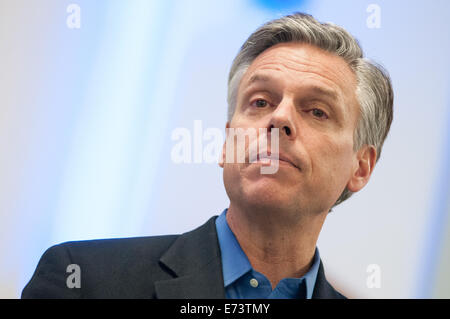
(86, 117)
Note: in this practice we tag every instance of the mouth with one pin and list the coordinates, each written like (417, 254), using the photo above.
(269, 158)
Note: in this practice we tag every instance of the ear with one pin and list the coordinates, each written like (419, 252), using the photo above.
(365, 163)
(227, 126)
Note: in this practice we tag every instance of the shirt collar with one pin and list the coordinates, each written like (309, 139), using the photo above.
(235, 263)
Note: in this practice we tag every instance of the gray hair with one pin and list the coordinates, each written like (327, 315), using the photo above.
(374, 90)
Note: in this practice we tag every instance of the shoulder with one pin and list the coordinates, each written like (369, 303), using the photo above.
(115, 248)
(103, 254)
(121, 267)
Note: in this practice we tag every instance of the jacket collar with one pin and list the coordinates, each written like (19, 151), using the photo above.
(194, 259)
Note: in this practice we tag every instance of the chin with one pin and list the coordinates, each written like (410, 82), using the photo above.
(262, 191)
(266, 194)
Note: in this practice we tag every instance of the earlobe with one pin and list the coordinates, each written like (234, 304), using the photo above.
(366, 159)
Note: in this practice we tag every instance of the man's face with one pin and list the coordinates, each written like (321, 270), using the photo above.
(309, 95)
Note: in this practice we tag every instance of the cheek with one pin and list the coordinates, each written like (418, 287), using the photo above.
(332, 160)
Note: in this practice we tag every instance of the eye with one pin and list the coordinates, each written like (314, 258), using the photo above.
(260, 103)
(319, 114)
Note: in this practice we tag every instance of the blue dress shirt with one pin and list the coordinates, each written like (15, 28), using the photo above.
(241, 281)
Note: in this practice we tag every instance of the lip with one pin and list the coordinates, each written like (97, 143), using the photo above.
(273, 156)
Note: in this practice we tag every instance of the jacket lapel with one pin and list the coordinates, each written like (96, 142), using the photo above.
(322, 288)
(195, 261)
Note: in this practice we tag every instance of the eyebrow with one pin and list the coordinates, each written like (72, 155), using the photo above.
(324, 92)
(258, 78)
(319, 90)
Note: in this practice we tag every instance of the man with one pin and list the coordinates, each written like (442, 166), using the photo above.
(308, 85)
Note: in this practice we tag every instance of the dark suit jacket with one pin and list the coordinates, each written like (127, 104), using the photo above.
(171, 266)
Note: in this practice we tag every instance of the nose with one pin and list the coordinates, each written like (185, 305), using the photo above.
(283, 118)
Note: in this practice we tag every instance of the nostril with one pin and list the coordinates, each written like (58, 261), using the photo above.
(288, 130)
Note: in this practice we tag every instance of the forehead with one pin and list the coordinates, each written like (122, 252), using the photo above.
(302, 64)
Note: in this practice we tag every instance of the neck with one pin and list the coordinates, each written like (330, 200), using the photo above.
(277, 245)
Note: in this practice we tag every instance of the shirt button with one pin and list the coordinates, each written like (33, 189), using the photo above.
(253, 282)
